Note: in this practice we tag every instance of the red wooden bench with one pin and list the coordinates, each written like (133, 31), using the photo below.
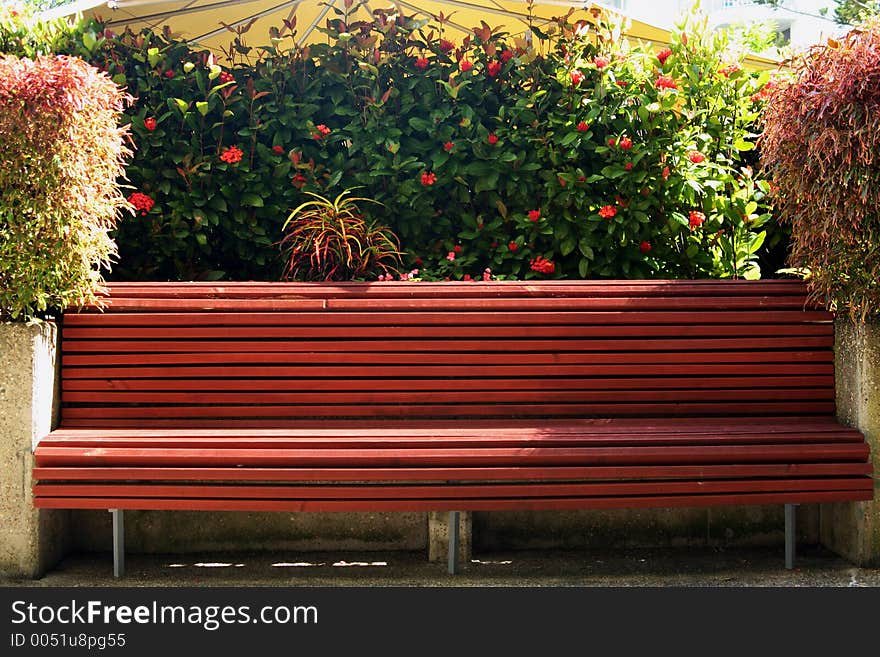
(449, 397)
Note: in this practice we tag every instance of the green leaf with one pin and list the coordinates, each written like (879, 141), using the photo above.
(583, 267)
(585, 248)
(252, 200)
(202, 107)
(742, 145)
(567, 246)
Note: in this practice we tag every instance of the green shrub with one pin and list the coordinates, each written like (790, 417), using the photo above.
(494, 148)
(61, 158)
(821, 147)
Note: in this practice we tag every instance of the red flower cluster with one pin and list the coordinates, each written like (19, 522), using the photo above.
(428, 178)
(421, 63)
(541, 265)
(448, 146)
(764, 93)
(577, 77)
(663, 55)
(729, 70)
(512, 247)
(644, 247)
(665, 82)
(150, 124)
(506, 55)
(607, 211)
(322, 131)
(493, 69)
(696, 157)
(583, 126)
(141, 202)
(628, 166)
(696, 219)
(446, 46)
(534, 215)
(492, 139)
(169, 74)
(225, 77)
(465, 65)
(625, 143)
(601, 62)
(278, 150)
(232, 155)
(612, 141)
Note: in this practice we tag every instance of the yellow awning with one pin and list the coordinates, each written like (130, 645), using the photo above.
(208, 22)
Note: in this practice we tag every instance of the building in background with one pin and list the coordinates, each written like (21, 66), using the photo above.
(799, 23)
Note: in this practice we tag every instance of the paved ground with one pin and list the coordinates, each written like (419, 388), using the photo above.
(680, 567)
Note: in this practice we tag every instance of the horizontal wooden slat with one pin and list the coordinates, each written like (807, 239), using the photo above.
(447, 491)
(478, 383)
(445, 358)
(518, 473)
(534, 504)
(471, 318)
(464, 345)
(453, 332)
(454, 302)
(424, 457)
(75, 415)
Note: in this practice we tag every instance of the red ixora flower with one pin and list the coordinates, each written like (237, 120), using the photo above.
(448, 146)
(512, 246)
(428, 178)
(625, 143)
(421, 63)
(601, 62)
(612, 141)
(583, 126)
(665, 82)
(465, 65)
(322, 131)
(493, 69)
(150, 124)
(278, 150)
(540, 264)
(607, 211)
(696, 219)
(169, 74)
(492, 138)
(663, 55)
(141, 202)
(457, 248)
(644, 247)
(696, 157)
(506, 55)
(729, 70)
(226, 76)
(534, 215)
(232, 155)
(446, 46)
(299, 181)
(628, 166)
(577, 77)
(450, 256)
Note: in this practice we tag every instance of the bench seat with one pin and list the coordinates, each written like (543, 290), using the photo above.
(483, 467)
(449, 397)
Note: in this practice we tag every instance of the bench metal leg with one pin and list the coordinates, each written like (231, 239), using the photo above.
(789, 535)
(454, 520)
(118, 543)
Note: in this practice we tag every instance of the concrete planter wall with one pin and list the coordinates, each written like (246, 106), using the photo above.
(853, 529)
(30, 540)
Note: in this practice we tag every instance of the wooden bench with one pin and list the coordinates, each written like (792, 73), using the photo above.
(449, 397)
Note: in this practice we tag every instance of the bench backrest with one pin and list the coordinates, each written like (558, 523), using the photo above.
(268, 354)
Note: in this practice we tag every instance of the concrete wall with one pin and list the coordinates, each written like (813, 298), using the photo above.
(853, 529)
(218, 531)
(30, 540)
(631, 528)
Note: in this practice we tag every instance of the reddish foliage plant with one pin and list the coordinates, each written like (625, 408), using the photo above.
(821, 149)
(62, 155)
